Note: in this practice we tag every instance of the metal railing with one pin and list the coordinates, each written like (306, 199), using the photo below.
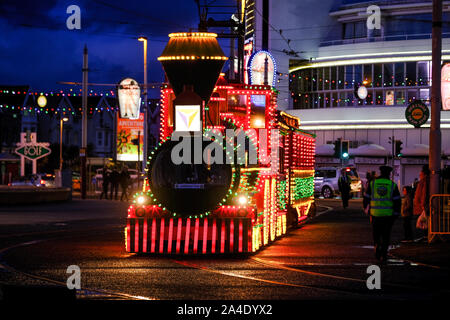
(439, 220)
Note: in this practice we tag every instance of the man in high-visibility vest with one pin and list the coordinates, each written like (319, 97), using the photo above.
(382, 200)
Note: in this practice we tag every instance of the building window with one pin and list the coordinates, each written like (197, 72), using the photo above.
(348, 77)
(425, 95)
(423, 73)
(400, 97)
(333, 78)
(340, 77)
(378, 75)
(367, 75)
(410, 78)
(333, 86)
(399, 74)
(358, 74)
(326, 78)
(412, 95)
(334, 99)
(388, 74)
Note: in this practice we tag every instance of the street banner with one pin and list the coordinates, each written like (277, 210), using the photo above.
(127, 131)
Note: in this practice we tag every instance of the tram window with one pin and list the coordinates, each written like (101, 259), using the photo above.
(237, 103)
(258, 110)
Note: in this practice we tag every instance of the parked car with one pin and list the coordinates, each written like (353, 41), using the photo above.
(326, 181)
(36, 180)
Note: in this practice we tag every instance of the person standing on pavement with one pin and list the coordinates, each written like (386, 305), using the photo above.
(383, 202)
(124, 182)
(115, 179)
(344, 187)
(422, 197)
(105, 183)
(407, 212)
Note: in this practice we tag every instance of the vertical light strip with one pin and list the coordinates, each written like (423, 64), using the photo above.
(136, 236)
(231, 235)
(179, 227)
(186, 239)
(169, 245)
(214, 235)
(153, 235)
(240, 235)
(197, 226)
(222, 236)
(161, 236)
(127, 245)
(144, 244)
(205, 234)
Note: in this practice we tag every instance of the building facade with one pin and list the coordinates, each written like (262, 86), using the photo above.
(393, 64)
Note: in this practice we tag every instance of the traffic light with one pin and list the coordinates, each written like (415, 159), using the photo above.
(398, 148)
(344, 149)
(337, 148)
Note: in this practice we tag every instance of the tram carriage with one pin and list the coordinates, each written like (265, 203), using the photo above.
(204, 208)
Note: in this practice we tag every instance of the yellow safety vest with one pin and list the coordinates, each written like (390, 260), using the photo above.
(381, 202)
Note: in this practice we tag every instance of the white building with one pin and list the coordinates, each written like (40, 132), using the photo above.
(339, 53)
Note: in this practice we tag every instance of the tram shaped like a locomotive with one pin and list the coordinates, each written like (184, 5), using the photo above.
(201, 207)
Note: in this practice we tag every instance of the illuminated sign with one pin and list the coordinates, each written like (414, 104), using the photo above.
(127, 131)
(417, 113)
(257, 65)
(445, 86)
(129, 94)
(188, 118)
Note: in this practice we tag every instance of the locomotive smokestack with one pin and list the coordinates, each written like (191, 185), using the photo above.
(194, 59)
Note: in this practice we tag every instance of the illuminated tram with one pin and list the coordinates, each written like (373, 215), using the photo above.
(199, 207)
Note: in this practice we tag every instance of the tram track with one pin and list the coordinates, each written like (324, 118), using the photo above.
(84, 292)
(268, 281)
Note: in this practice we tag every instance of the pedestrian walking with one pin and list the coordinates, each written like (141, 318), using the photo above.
(421, 201)
(105, 183)
(115, 179)
(366, 183)
(344, 187)
(124, 182)
(382, 200)
(407, 212)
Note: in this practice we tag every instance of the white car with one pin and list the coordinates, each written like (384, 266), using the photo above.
(326, 181)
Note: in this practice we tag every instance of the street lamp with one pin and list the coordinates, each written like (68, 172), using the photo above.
(61, 121)
(144, 147)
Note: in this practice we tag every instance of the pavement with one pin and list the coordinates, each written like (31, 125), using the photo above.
(435, 254)
(431, 254)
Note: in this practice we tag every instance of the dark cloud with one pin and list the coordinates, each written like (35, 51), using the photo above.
(37, 49)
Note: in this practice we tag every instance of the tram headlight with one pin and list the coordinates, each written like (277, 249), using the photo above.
(141, 200)
(242, 200)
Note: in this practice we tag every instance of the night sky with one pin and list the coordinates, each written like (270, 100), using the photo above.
(37, 49)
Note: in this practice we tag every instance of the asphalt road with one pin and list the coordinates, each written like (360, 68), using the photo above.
(325, 259)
